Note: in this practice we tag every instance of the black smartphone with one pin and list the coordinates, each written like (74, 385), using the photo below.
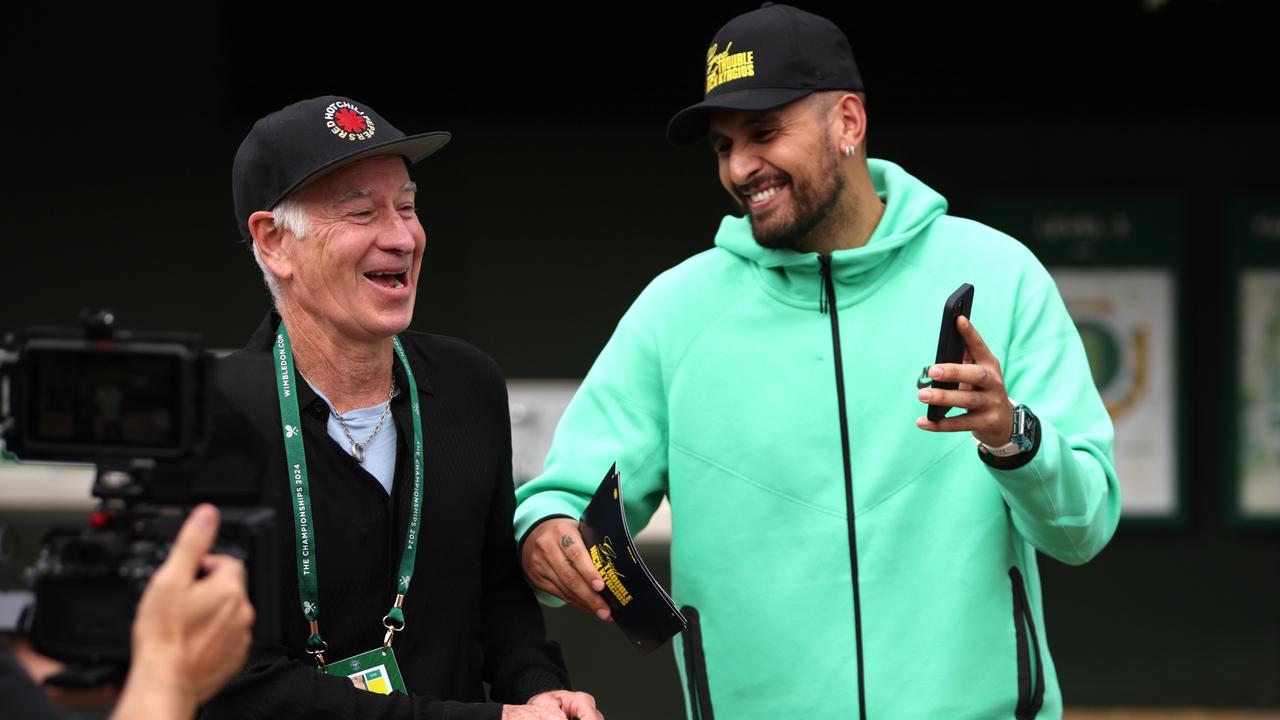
(950, 344)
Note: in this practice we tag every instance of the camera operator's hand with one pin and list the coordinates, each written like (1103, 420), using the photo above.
(190, 635)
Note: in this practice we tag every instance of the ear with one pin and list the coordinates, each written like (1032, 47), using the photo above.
(270, 242)
(851, 120)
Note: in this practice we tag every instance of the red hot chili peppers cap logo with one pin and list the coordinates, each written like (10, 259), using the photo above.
(347, 121)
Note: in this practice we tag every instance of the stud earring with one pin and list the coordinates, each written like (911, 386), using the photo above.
(849, 150)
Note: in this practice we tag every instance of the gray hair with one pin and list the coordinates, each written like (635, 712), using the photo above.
(289, 215)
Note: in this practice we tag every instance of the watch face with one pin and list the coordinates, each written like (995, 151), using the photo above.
(1024, 427)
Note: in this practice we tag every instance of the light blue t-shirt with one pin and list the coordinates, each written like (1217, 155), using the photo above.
(380, 453)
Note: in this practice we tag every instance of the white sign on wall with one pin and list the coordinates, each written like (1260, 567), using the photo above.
(1126, 320)
(1258, 429)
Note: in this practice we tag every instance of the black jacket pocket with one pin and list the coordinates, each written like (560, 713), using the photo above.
(695, 667)
(1030, 669)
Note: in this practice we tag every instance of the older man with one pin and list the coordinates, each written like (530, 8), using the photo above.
(833, 560)
(386, 453)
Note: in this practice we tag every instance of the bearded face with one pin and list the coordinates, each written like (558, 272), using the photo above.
(780, 166)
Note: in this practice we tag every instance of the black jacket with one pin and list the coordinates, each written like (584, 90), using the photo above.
(469, 616)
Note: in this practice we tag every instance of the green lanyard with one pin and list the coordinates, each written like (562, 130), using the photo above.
(286, 387)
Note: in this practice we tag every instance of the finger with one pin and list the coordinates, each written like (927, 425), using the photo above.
(223, 566)
(581, 594)
(964, 399)
(546, 700)
(212, 563)
(542, 575)
(581, 705)
(232, 617)
(580, 574)
(544, 580)
(541, 550)
(193, 542)
(550, 582)
(576, 551)
(246, 615)
(974, 343)
(976, 375)
(533, 712)
(966, 422)
(210, 595)
(225, 585)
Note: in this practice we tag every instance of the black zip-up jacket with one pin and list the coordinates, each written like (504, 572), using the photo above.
(470, 618)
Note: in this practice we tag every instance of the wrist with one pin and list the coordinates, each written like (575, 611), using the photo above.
(151, 691)
(1024, 442)
(1023, 426)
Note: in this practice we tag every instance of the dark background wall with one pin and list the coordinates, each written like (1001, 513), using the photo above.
(559, 199)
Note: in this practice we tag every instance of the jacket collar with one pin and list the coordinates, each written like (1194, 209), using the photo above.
(264, 339)
(795, 278)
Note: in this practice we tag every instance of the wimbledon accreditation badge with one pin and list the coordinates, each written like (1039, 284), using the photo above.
(375, 671)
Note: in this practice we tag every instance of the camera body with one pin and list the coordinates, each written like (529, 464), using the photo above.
(138, 408)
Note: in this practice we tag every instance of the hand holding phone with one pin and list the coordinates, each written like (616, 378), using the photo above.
(951, 346)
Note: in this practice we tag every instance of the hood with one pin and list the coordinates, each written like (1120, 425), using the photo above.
(910, 207)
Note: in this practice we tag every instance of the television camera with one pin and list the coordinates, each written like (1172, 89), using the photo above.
(136, 406)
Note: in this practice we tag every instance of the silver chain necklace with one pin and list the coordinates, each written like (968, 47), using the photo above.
(357, 448)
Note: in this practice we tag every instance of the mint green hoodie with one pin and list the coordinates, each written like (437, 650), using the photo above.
(719, 390)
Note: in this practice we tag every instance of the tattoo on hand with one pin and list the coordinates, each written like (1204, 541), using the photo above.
(566, 542)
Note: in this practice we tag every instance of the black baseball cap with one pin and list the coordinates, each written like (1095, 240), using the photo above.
(295, 145)
(767, 58)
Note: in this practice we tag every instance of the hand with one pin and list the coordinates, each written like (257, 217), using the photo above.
(556, 560)
(530, 712)
(40, 668)
(574, 704)
(190, 635)
(981, 392)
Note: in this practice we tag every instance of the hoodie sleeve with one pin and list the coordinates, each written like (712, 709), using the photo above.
(1066, 500)
(617, 415)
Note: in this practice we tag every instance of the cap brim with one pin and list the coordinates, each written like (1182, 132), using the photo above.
(413, 148)
(691, 123)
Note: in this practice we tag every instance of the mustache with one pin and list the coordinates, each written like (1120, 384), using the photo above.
(756, 183)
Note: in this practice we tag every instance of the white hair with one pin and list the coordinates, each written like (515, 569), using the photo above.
(288, 215)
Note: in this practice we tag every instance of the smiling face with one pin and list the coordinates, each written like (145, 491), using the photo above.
(356, 269)
(781, 166)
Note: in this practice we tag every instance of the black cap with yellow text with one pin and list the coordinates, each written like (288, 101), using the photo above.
(297, 144)
(767, 58)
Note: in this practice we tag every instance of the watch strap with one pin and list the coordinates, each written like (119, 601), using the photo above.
(1006, 450)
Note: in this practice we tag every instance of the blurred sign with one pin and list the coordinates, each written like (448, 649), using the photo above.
(1254, 236)
(1126, 320)
(536, 407)
(1117, 261)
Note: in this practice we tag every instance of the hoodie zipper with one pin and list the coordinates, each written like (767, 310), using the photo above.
(827, 303)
